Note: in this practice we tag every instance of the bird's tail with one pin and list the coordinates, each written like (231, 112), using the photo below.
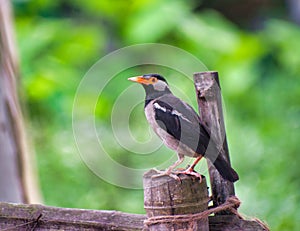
(225, 170)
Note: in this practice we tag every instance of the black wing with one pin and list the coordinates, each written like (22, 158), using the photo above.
(182, 122)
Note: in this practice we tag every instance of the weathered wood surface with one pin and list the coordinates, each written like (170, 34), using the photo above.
(23, 217)
(233, 223)
(166, 196)
(210, 109)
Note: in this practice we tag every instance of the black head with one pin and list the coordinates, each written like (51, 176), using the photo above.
(154, 84)
(157, 76)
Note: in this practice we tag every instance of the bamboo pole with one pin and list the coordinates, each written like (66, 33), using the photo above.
(18, 177)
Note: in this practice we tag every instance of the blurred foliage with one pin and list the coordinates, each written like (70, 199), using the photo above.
(58, 42)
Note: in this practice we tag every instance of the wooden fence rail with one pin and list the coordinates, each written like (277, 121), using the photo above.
(36, 217)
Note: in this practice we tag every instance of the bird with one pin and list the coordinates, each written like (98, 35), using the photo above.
(180, 128)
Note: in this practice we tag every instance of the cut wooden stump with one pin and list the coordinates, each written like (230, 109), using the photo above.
(166, 196)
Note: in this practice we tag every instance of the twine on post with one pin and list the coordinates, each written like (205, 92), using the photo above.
(231, 204)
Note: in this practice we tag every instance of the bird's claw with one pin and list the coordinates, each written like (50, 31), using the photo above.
(190, 171)
(166, 173)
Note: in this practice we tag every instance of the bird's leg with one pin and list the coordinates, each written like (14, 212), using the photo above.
(196, 162)
(168, 171)
(190, 170)
(178, 162)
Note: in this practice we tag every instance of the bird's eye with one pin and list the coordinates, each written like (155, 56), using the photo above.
(153, 80)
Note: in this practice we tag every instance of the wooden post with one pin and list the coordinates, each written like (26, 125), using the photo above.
(167, 196)
(210, 110)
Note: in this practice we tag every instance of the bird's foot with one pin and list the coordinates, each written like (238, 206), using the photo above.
(190, 171)
(167, 172)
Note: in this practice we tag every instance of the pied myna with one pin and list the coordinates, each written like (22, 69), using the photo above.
(180, 127)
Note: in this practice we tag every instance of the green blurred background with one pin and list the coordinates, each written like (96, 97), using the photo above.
(255, 46)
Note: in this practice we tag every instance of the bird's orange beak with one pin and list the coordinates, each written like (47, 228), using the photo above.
(140, 79)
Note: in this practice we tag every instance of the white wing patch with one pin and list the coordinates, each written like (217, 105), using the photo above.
(173, 112)
(157, 106)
